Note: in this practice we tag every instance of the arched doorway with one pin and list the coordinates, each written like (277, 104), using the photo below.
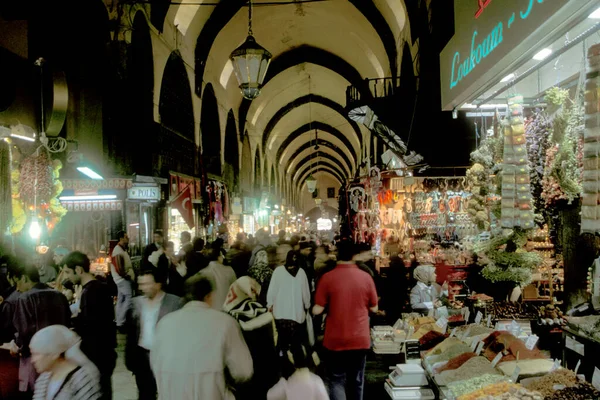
(175, 105)
(210, 128)
(246, 172)
(273, 181)
(257, 174)
(231, 169)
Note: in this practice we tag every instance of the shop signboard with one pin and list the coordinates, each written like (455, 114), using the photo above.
(143, 193)
(493, 36)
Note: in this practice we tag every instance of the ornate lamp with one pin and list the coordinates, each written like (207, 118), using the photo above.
(250, 63)
(311, 184)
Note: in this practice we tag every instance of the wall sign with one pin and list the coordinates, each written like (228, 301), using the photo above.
(143, 193)
(490, 38)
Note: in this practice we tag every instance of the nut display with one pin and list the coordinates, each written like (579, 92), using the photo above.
(510, 310)
(583, 391)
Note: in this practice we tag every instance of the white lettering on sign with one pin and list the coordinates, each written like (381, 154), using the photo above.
(143, 193)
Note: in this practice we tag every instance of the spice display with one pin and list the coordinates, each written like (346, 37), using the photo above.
(528, 367)
(545, 384)
(463, 387)
(582, 391)
(476, 366)
(425, 329)
(510, 346)
(481, 297)
(445, 345)
(503, 391)
(473, 330)
(513, 310)
(456, 362)
(431, 339)
(449, 354)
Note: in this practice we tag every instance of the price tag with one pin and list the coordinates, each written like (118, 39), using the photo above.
(479, 348)
(577, 366)
(515, 375)
(531, 342)
(518, 355)
(489, 320)
(558, 387)
(478, 317)
(466, 334)
(496, 359)
(555, 366)
(473, 346)
(596, 378)
(453, 333)
(467, 315)
(411, 331)
(442, 323)
(442, 312)
(430, 313)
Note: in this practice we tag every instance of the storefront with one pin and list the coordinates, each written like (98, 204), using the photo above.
(143, 211)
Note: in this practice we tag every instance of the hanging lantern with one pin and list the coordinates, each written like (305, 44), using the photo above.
(311, 183)
(250, 63)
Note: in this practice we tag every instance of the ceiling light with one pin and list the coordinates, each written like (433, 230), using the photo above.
(34, 229)
(595, 14)
(542, 54)
(90, 173)
(501, 105)
(468, 106)
(29, 139)
(508, 78)
(90, 197)
(250, 63)
(311, 184)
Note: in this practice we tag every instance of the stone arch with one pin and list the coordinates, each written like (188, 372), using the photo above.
(246, 172)
(273, 180)
(175, 105)
(231, 167)
(210, 128)
(257, 172)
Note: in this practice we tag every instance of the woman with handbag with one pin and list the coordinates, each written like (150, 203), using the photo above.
(289, 299)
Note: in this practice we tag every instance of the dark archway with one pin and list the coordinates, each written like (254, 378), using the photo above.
(231, 169)
(175, 105)
(246, 172)
(323, 143)
(312, 159)
(273, 180)
(257, 174)
(210, 130)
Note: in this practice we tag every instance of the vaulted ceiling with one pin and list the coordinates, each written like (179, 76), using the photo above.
(319, 48)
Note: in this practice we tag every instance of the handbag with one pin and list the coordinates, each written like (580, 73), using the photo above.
(309, 329)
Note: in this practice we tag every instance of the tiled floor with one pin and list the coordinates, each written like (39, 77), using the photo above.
(124, 387)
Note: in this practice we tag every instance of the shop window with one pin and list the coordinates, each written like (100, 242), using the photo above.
(330, 193)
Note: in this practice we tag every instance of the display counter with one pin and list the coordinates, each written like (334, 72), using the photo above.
(577, 346)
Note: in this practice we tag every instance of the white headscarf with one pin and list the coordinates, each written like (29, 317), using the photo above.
(62, 340)
(425, 274)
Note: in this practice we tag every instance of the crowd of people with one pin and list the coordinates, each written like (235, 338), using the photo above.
(252, 320)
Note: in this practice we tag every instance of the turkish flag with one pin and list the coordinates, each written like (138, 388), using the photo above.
(183, 203)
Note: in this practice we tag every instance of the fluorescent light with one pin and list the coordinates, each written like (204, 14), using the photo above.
(468, 106)
(508, 78)
(90, 173)
(542, 54)
(595, 14)
(28, 138)
(493, 105)
(91, 197)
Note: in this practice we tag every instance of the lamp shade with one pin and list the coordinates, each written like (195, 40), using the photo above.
(311, 184)
(250, 63)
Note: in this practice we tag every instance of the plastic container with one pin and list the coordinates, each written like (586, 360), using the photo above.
(409, 375)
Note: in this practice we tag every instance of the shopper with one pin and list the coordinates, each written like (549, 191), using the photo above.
(156, 245)
(143, 316)
(9, 365)
(37, 307)
(66, 373)
(301, 385)
(122, 273)
(192, 363)
(349, 294)
(288, 299)
(95, 321)
(222, 277)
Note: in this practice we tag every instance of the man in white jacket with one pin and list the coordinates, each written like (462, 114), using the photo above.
(194, 346)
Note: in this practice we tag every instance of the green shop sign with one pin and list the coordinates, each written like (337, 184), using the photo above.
(493, 36)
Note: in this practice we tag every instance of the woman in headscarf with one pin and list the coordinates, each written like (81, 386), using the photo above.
(427, 293)
(66, 373)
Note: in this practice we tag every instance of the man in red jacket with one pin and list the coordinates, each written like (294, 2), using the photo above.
(349, 294)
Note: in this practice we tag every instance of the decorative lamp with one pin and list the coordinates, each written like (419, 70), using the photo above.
(311, 183)
(250, 63)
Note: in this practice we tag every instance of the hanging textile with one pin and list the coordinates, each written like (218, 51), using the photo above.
(516, 195)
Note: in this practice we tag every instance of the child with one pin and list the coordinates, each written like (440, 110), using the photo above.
(301, 385)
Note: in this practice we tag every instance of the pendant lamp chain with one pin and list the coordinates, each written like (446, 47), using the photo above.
(250, 18)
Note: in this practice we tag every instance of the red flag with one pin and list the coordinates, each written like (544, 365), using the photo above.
(183, 203)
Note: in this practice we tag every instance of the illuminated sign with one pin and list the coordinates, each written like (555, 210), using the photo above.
(143, 193)
(492, 37)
